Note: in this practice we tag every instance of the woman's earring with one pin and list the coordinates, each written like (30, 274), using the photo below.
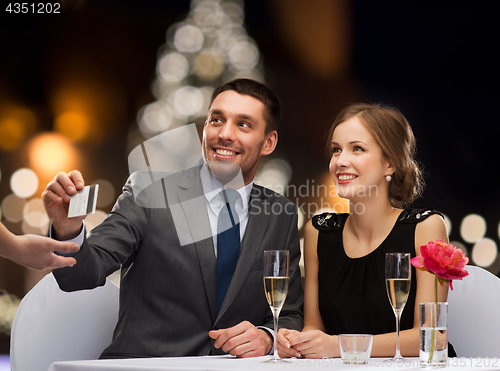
(388, 178)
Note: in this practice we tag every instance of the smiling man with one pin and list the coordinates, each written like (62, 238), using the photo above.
(240, 129)
(182, 294)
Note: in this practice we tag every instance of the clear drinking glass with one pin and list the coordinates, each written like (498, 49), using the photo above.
(397, 281)
(433, 334)
(276, 271)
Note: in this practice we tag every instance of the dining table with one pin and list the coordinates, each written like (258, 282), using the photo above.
(230, 363)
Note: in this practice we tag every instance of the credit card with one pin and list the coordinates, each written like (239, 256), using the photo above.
(83, 202)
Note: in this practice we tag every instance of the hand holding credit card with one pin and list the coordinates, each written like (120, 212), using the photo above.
(83, 202)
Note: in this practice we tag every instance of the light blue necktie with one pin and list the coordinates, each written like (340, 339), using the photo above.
(228, 243)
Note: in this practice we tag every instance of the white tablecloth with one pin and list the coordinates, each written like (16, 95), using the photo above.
(222, 363)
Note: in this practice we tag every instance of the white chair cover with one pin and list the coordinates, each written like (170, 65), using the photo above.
(52, 325)
(473, 319)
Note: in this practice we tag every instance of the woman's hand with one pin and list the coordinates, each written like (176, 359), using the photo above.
(315, 344)
(285, 350)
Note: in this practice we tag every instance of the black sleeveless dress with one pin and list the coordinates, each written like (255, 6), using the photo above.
(352, 293)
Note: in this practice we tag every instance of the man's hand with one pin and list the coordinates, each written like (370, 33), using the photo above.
(243, 340)
(56, 199)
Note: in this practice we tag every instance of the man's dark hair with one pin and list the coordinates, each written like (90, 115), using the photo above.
(259, 91)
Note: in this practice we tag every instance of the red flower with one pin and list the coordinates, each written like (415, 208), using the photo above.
(442, 259)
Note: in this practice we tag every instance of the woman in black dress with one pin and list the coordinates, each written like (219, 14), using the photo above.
(372, 164)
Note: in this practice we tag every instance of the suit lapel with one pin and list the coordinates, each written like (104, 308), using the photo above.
(191, 212)
(250, 246)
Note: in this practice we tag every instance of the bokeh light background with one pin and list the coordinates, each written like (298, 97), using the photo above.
(80, 90)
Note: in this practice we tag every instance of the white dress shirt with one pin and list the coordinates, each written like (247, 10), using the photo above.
(215, 202)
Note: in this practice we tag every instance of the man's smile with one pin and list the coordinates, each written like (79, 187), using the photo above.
(224, 153)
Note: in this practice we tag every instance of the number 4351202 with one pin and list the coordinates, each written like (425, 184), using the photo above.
(33, 8)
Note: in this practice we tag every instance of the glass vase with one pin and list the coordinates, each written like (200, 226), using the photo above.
(433, 334)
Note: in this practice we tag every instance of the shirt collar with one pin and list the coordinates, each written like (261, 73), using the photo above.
(212, 187)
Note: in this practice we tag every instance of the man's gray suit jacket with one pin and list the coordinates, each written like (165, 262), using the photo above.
(168, 289)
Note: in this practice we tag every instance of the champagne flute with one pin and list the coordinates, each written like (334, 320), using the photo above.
(276, 270)
(397, 281)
